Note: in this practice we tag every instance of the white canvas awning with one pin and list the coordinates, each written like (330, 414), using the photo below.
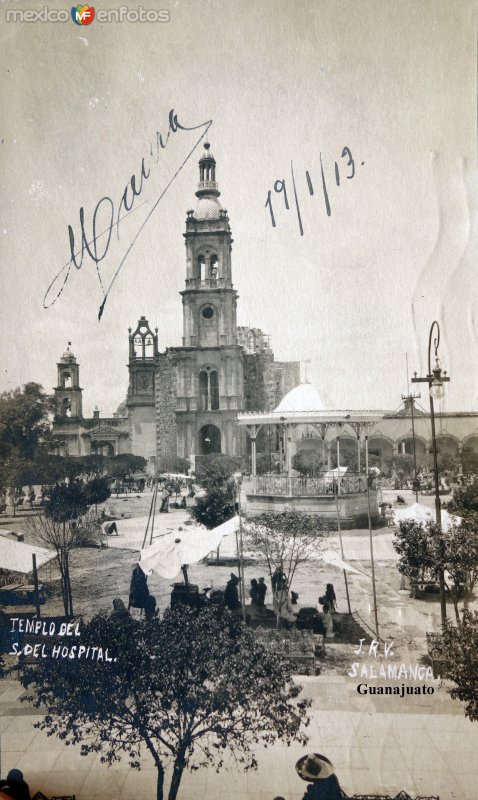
(169, 552)
(422, 514)
(334, 559)
(17, 556)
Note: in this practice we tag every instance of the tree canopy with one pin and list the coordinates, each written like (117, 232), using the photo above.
(307, 463)
(187, 689)
(174, 464)
(424, 550)
(465, 500)
(458, 648)
(216, 506)
(285, 540)
(215, 469)
(25, 423)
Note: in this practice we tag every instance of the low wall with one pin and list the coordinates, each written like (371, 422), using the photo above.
(353, 510)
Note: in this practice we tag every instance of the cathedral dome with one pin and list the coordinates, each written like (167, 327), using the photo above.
(208, 208)
(301, 398)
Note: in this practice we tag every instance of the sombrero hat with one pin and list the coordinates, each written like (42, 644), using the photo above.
(314, 767)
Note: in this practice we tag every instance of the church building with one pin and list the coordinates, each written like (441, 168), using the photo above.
(185, 401)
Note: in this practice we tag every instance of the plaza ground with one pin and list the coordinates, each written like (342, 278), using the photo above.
(422, 744)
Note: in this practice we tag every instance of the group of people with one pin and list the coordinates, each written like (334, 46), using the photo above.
(167, 490)
(258, 592)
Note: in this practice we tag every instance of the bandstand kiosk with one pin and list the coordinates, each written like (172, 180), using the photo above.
(301, 414)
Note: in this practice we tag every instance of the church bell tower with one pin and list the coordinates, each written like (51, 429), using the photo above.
(209, 300)
(68, 394)
(210, 388)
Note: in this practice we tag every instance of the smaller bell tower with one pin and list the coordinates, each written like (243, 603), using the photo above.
(68, 394)
(140, 400)
(143, 351)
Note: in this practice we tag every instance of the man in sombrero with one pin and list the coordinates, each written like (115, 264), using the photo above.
(319, 772)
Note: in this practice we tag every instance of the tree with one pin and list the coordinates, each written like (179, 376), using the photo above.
(216, 506)
(61, 529)
(469, 462)
(25, 421)
(215, 469)
(123, 466)
(174, 464)
(266, 462)
(465, 500)
(195, 681)
(458, 648)
(458, 547)
(428, 549)
(285, 540)
(411, 542)
(404, 467)
(97, 491)
(307, 463)
(447, 462)
(63, 536)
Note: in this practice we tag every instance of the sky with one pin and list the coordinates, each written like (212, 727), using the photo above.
(287, 85)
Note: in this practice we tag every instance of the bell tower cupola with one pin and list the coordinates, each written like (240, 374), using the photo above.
(207, 186)
(209, 299)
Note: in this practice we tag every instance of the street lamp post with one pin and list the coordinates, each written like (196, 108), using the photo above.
(435, 380)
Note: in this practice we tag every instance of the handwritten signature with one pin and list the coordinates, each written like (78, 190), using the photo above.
(89, 244)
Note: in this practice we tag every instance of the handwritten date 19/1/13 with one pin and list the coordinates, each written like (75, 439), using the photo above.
(345, 170)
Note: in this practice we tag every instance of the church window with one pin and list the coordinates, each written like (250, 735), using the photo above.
(208, 390)
(203, 391)
(214, 386)
(201, 268)
(208, 312)
(214, 265)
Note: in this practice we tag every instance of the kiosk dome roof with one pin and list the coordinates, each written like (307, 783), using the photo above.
(301, 398)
